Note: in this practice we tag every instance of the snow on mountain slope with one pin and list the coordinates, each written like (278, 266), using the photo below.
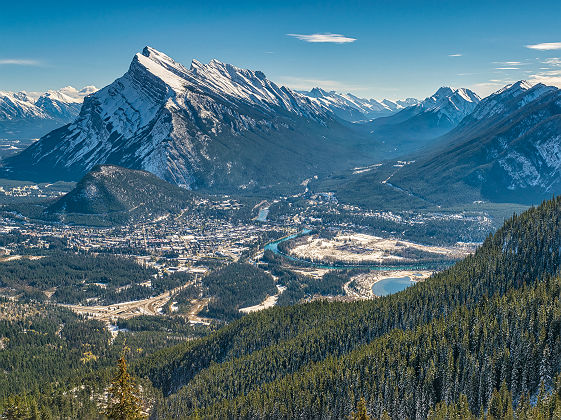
(506, 98)
(27, 115)
(17, 105)
(450, 104)
(352, 108)
(415, 127)
(210, 125)
(508, 149)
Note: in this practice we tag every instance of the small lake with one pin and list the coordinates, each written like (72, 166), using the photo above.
(391, 285)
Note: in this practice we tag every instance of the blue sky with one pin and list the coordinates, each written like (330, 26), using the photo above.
(390, 49)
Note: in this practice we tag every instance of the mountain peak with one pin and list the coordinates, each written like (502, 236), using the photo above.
(444, 91)
(162, 117)
(514, 88)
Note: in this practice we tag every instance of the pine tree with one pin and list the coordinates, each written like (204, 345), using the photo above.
(360, 413)
(15, 409)
(124, 403)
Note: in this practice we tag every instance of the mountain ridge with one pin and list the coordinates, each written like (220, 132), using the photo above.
(211, 125)
(506, 150)
(354, 109)
(26, 115)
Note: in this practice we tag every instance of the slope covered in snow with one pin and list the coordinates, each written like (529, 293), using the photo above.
(25, 115)
(508, 149)
(415, 127)
(210, 125)
(352, 108)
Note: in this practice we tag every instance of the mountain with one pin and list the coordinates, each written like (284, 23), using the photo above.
(352, 108)
(413, 128)
(208, 126)
(113, 193)
(507, 150)
(29, 115)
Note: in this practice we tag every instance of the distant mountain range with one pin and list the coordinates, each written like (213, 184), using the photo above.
(416, 126)
(352, 108)
(219, 127)
(508, 149)
(208, 126)
(30, 115)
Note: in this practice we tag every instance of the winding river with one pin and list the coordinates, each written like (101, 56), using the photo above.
(274, 247)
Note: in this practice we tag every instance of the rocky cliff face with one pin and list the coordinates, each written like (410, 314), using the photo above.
(210, 125)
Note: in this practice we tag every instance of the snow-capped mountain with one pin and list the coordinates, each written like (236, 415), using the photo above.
(25, 115)
(352, 108)
(210, 125)
(507, 149)
(449, 105)
(416, 126)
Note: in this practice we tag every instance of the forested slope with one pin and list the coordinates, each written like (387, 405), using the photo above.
(265, 348)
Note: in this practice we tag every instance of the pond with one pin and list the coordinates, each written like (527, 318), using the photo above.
(391, 285)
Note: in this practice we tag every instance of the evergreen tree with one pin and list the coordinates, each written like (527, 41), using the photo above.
(123, 403)
(360, 413)
(15, 409)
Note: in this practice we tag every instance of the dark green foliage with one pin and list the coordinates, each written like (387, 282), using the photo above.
(266, 347)
(123, 400)
(111, 194)
(236, 286)
(299, 287)
(77, 277)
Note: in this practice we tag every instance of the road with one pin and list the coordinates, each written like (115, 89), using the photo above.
(149, 306)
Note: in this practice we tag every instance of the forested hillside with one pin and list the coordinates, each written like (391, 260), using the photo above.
(482, 337)
(234, 369)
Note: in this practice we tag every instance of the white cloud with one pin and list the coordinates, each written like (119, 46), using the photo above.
(507, 68)
(454, 55)
(19, 62)
(545, 46)
(553, 61)
(332, 38)
(552, 78)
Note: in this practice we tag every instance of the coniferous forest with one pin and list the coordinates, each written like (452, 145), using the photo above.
(481, 339)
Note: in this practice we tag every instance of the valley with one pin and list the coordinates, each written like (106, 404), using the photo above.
(249, 248)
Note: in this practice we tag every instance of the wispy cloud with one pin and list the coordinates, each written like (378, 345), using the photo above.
(511, 63)
(552, 61)
(507, 68)
(545, 46)
(454, 55)
(19, 62)
(552, 78)
(328, 37)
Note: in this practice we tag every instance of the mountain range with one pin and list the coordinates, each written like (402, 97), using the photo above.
(414, 127)
(30, 115)
(352, 108)
(208, 126)
(219, 127)
(508, 149)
